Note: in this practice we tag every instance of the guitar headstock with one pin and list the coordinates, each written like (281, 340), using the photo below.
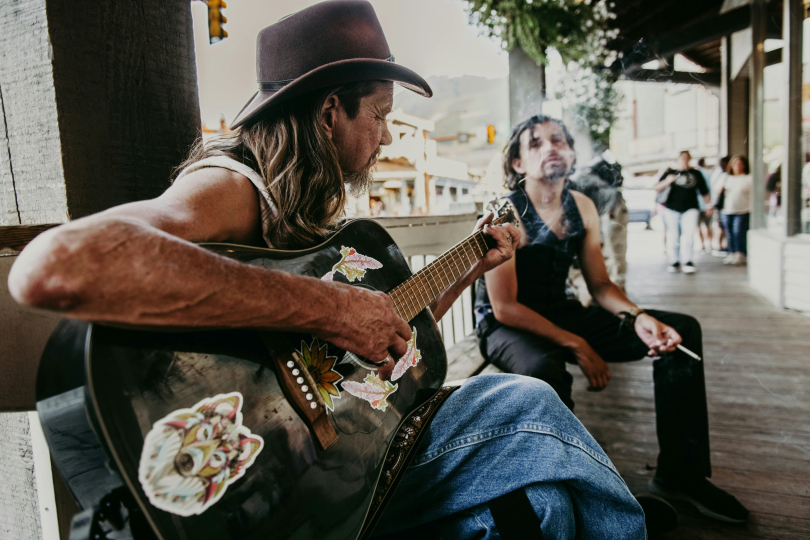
(503, 210)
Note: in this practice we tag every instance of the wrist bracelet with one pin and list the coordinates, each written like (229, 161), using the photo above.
(629, 318)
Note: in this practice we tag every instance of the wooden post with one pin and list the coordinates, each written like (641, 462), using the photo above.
(725, 97)
(98, 104)
(757, 106)
(527, 86)
(793, 160)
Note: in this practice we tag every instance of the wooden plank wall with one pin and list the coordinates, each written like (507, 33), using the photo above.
(98, 103)
(31, 177)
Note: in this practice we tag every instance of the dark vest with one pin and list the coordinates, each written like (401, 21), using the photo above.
(542, 265)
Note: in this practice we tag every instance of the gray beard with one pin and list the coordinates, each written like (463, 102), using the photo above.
(358, 183)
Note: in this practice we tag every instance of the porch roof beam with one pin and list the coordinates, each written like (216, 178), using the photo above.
(692, 36)
(666, 75)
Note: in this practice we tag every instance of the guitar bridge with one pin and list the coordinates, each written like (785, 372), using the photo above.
(299, 388)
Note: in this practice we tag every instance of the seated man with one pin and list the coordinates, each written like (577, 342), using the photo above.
(528, 325)
(313, 131)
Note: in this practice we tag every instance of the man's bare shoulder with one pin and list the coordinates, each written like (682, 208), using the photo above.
(218, 204)
(206, 177)
(586, 207)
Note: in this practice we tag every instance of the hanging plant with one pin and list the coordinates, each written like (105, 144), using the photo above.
(593, 98)
(578, 31)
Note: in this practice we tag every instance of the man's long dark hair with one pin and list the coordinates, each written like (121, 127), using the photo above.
(297, 161)
(512, 150)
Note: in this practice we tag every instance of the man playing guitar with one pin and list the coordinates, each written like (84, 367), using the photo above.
(312, 132)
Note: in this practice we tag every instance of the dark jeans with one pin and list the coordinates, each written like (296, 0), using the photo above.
(682, 420)
(737, 227)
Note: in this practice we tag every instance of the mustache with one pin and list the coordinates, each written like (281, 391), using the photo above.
(374, 156)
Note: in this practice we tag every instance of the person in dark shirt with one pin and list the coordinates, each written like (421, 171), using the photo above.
(678, 191)
(528, 325)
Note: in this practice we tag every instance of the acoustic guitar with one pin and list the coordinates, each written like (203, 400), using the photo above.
(239, 434)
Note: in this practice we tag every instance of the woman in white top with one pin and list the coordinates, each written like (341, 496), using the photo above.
(736, 188)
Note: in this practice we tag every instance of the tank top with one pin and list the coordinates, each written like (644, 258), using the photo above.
(542, 265)
(266, 207)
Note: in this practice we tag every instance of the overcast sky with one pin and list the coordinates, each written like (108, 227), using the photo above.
(432, 37)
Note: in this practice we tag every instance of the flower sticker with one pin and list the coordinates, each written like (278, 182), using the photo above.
(411, 358)
(321, 367)
(191, 456)
(372, 389)
(352, 265)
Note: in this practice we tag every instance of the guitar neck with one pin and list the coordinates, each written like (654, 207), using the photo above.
(418, 291)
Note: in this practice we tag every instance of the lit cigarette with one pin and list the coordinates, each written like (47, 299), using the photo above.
(687, 351)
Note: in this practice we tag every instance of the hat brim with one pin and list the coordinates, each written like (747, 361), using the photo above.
(333, 74)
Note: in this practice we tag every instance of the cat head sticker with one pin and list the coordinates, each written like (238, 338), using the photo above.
(191, 456)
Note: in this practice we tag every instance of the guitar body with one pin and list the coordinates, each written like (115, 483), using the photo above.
(203, 431)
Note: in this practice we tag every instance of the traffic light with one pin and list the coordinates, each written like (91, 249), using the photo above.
(215, 21)
(490, 134)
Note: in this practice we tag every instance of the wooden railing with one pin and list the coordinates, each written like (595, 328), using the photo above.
(421, 239)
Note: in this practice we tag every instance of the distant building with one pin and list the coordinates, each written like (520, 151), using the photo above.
(658, 120)
(410, 179)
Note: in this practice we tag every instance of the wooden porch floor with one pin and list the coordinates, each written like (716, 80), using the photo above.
(757, 376)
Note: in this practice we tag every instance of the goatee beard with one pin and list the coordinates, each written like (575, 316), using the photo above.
(360, 182)
(554, 176)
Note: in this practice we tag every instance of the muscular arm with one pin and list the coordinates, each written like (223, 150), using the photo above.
(606, 293)
(137, 265)
(502, 288)
(656, 335)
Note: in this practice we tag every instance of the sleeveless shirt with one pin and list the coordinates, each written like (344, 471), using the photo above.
(542, 265)
(267, 210)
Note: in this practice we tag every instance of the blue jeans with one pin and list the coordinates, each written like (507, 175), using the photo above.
(680, 230)
(501, 433)
(737, 227)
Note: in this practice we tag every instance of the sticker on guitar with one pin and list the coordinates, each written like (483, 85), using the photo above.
(321, 368)
(375, 390)
(191, 456)
(352, 265)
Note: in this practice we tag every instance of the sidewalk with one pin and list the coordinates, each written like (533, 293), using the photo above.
(757, 376)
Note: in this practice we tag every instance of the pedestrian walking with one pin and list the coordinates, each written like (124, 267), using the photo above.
(736, 188)
(678, 191)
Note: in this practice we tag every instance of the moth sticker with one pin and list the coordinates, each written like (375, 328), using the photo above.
(321, 367)
(352, 265)
(411, 358)
(191, 456)
(372, 389)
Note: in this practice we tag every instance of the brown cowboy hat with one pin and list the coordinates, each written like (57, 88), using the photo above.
(328, 44)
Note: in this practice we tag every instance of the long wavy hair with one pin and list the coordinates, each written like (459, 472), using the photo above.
(298, 162)
(512, 150)
(733, 161)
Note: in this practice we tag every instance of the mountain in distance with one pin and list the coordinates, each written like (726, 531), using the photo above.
(466, 104)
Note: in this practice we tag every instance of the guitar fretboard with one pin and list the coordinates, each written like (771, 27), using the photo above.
(418, 291)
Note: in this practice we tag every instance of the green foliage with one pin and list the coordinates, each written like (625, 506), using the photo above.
(578, 31)
(593, 99)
